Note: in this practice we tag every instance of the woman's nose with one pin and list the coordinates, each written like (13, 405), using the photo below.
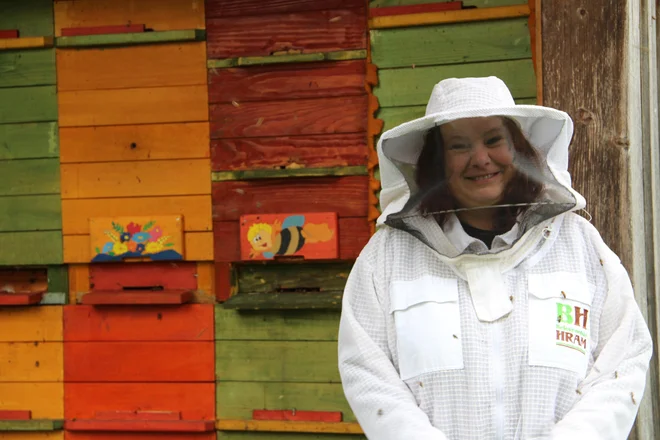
(480, 156)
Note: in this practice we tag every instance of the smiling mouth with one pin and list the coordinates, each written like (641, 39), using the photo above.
(483, 177)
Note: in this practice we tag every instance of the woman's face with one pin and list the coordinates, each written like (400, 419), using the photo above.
(478, 160)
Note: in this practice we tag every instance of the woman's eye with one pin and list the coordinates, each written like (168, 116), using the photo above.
(458, 147)
(494, 140)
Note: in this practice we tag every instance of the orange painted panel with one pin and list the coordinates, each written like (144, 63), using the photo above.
(45, 400)
(159, 15)
(30, 324)
(190, 322)
(25, 435)
(153, 237)
(195, 209)
(195, 401)
(126, 179)
(78, 281)
(134, 142)
(72, 435)
(31, 361)
(206, 278)
(139, 361)
(151, 105)
(151, 65)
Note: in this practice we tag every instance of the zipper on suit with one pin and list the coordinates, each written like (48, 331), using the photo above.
(498, 380)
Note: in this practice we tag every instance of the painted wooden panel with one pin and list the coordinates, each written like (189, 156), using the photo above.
(158, 15)
(23, 280)
(102, 30)
(296, 415)
(306, 32)
(30, 213)
(231, 8)
(72, 435)
(477, 3)
(190, 322)
(134, 142)
(255, 278)
(52, 435)
(195, 209)
(45, 400)
(297, 117)
(30, 324)
(287, 81)
(27, 68)
(277, 361)
(33, 176)
(124, 179)
(131, 67)
(195, 401)
(347, 196)
(32, 18)
(252, 435)
(29, 141)
(450, 44)
(405, 87)
(168, 275)
(28, 104)
(312, 151)
(138, 361)
(31, 361)
(31, 248)
(133, 106)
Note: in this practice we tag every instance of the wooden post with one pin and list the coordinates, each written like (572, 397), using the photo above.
(599, 65)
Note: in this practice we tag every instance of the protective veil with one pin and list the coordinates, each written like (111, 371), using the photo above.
(537, 336)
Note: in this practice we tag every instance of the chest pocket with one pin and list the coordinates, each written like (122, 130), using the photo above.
(560, 321)
(428, 325)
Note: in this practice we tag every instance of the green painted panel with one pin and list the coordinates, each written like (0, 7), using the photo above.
(236, 400)
(28, 104)
(451, 43)
(29, 141)
(251, 435)
(30, 176)
(256, 278)
(477, 3)
(130, 39)
(406, 87)
(276, 326)
(27, 68)
(58, 279)
(30, 425)
(30, 213)
(31, 248)
(33, 18)
(277, 361)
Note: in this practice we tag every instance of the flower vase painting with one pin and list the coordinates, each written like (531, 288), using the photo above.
(158, 238)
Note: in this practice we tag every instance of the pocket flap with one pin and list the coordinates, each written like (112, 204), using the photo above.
(405, 294)
(565, 285)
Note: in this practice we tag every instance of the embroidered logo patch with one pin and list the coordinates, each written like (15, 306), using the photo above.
(572, 326)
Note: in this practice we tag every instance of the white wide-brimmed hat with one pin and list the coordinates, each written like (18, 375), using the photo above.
(457, 98)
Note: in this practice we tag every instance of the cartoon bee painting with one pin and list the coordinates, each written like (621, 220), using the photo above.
(296, 235)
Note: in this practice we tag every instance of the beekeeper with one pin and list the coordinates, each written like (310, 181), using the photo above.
(484, 307)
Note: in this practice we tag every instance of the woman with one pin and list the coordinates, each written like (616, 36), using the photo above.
(484, 307)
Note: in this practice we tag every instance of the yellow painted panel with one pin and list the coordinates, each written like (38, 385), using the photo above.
(52, 435)
(159, 15)
(126, 179)
(45, 400)
(152, 65)
(134, 142)
(30, 324)
(31, 361)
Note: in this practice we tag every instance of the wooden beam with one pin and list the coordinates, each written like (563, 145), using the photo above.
(26, 43)
(460, 16)
(109, 298)
(101, 30)
(132, 38)
(140, 425)
(20, 299)
(341, 55)
(30, 425)
(286, 426)
(222, 176)
(285, 301)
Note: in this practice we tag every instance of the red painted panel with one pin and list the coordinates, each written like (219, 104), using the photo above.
(230, 8)
(138, 415)
(306, 32)
(223, 280)
(74, 435)
(190, 322)
(347, 196)
(194, 401)
(100, 30)
(140, 425)
(315, 151)
(20, 299)
(284, 118)
(174, 275)
(415, 9)
(110, 297)
(15, 415)
(287, 81)
(297, 416)
(9, 33)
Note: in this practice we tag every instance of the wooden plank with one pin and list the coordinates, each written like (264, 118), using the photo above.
(150, 66)
(277, 361)
(221, 176)
(113, 298)
(30, 425)
(298, 32)
(100, 30)
(232, 8)
(466, 3)
(44, 400)
(194, 401)
(296, 117)
(206, 278)
(137, 415)
(29, 141)
(133, 106)
(140, 425)
(32, 18)
(25, 435)
(506, 39)
(253, 435)
(406, 87)
(27, 177)
(28, 104)
(15, 414)
(147, 178)
(289, 152)
(296, 415)
(288, 426)
(31, 248)
(433, 18)
(304, 300)
(23, 280)
(159, 15)
(74, 435)
(416, 9)
(157, 37)
(58, 280)
(9, 33)
(287, 81)
(319, 194)
(284, 277)
(30, 213)
(196, 210)
(289, 58)
(20, 298)
(26, 43)
(31, 361)
(171, 361)
(127, 276)
(27, 68)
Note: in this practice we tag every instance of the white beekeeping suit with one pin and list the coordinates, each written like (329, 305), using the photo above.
(536, 337)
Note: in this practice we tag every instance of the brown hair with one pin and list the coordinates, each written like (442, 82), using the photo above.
(430, 178)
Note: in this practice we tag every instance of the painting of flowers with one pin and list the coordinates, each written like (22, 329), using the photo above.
(155, 238)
